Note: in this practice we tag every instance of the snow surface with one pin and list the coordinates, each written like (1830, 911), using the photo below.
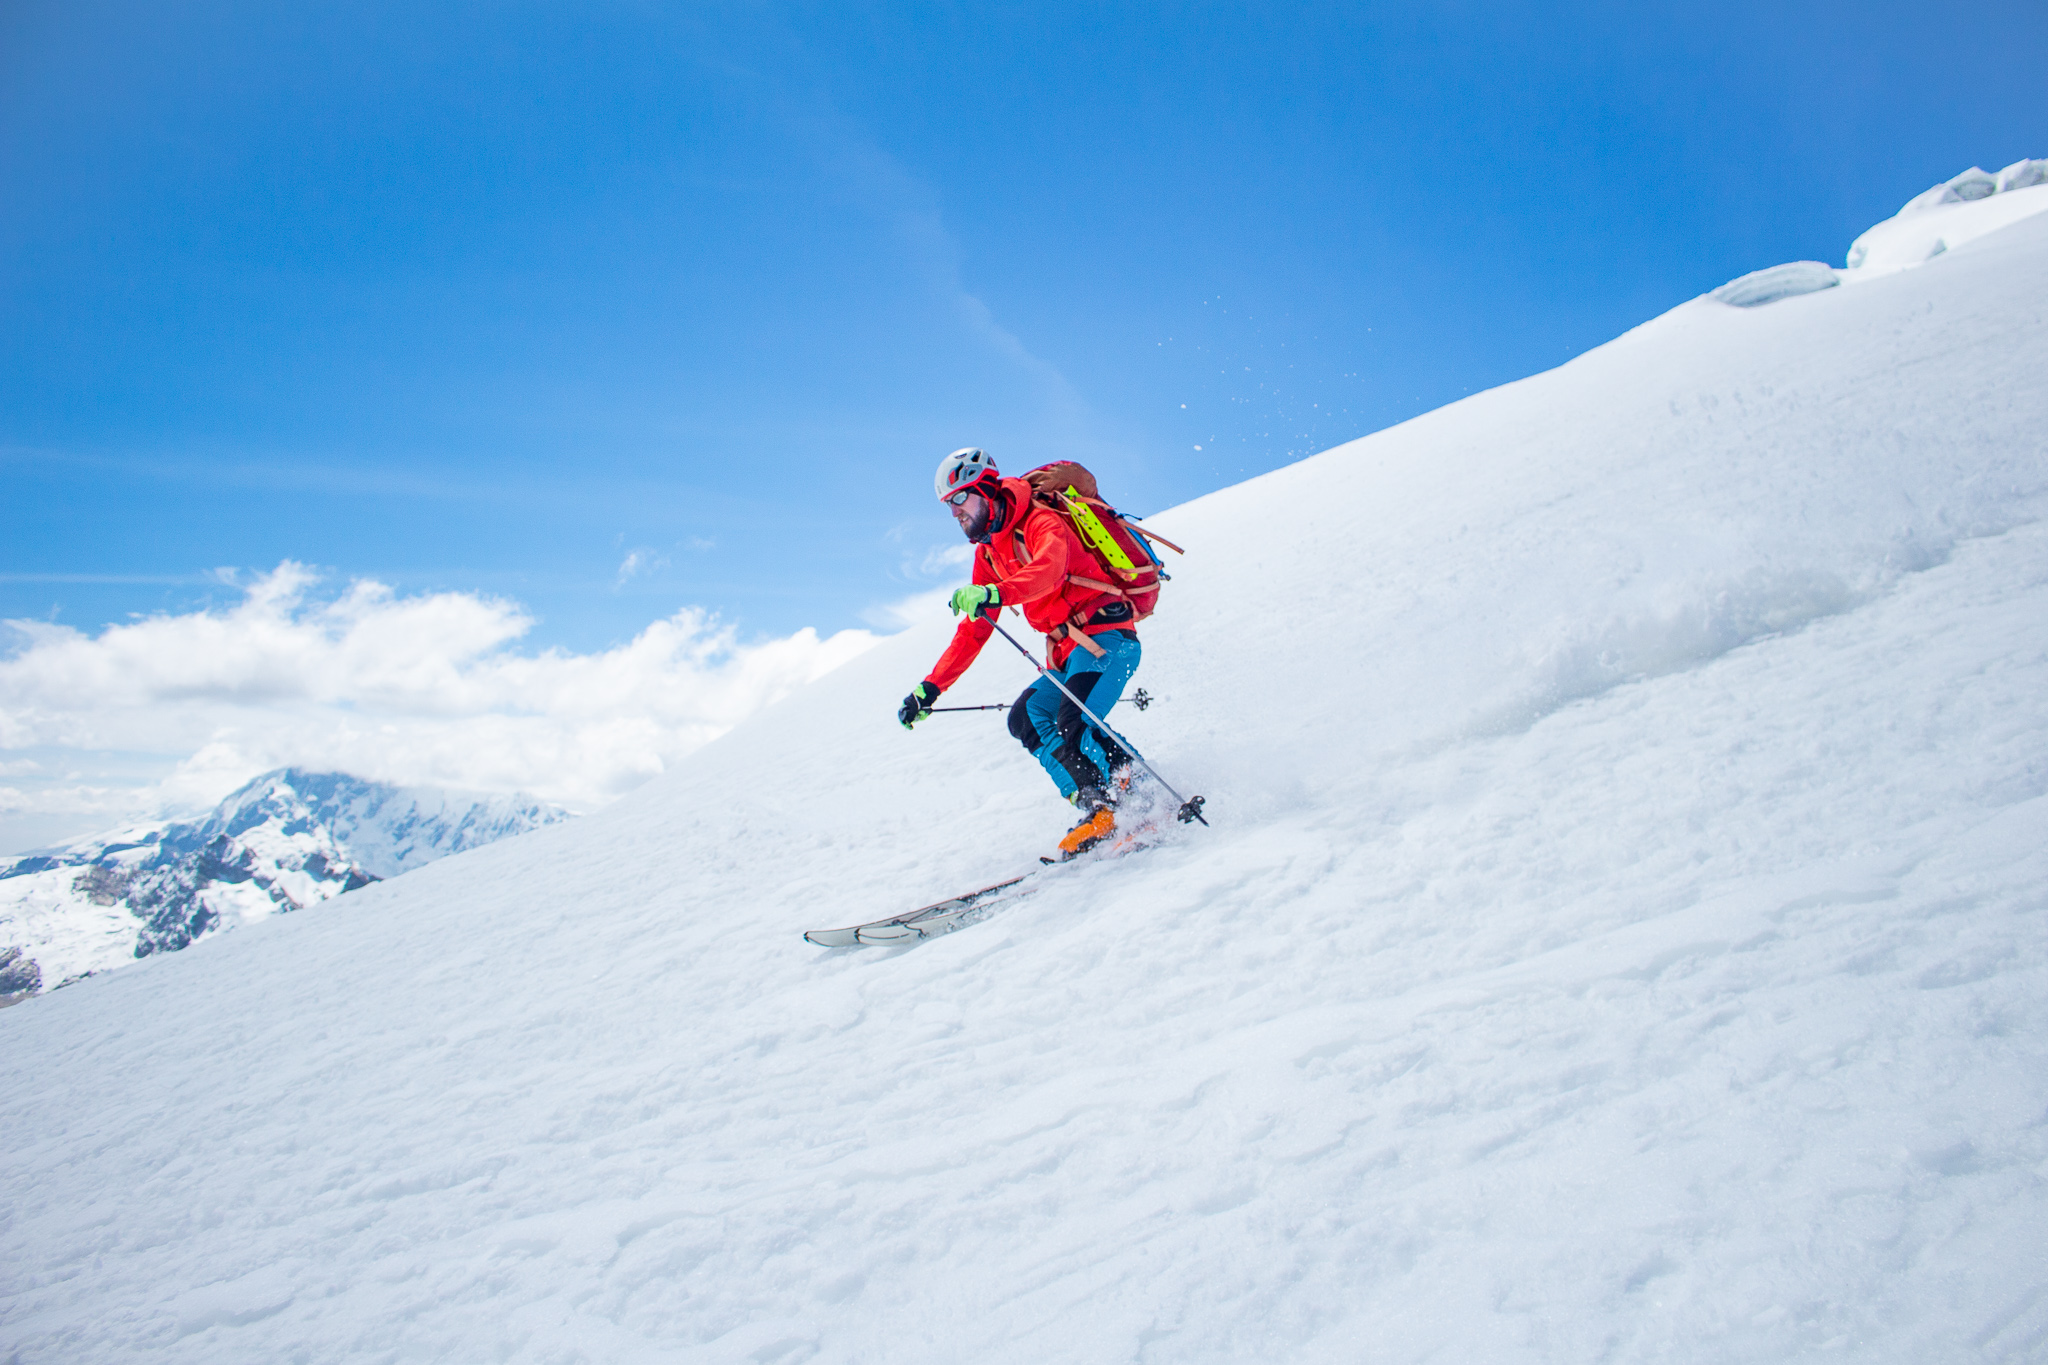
(1620, 938)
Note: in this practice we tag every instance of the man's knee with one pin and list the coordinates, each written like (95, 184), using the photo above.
(1072, 724)
(1020, 724)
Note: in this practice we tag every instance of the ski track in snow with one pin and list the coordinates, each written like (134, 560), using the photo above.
(1621, 938)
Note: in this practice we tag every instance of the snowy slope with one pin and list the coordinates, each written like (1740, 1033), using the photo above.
(282, 841)
(1620, 938)
(1960, 209)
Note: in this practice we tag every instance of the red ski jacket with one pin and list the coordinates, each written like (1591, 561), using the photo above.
(1029, 563)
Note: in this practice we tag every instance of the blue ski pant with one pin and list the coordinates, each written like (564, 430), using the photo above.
(1053, 729)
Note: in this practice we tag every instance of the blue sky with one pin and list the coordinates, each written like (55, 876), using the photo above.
(517, 396)
(491, 297)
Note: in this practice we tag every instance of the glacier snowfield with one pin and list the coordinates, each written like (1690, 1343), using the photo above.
(1621, 938)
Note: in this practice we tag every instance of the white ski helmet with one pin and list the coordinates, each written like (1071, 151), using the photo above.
(965, 467)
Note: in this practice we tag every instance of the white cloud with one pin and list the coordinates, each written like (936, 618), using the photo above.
(94, 806)
(638, 562)
(425, 689)
(905, 612)
(947, 561)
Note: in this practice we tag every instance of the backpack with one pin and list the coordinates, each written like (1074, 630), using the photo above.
(1127, 565)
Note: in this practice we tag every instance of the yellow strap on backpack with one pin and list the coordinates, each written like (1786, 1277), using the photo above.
(1091, 527)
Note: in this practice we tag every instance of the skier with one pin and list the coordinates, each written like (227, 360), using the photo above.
(1025, 557)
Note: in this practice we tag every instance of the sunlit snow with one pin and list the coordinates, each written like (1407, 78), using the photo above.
(1619, 939)
(1954, 212)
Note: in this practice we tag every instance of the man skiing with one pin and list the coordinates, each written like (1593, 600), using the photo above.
(1028, 556)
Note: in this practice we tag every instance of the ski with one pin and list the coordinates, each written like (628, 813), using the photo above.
(943, 917)
(940, 917)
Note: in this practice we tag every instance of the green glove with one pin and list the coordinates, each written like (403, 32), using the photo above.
(917, 705)
(975, 599)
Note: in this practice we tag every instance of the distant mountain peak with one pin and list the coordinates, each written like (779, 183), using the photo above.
(282, 841)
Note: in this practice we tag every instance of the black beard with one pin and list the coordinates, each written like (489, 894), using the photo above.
(981, 527)
(977, 525)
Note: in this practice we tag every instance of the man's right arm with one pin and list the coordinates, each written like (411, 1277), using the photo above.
(968, 638)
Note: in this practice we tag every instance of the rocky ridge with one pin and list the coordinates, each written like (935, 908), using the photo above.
(286, 840)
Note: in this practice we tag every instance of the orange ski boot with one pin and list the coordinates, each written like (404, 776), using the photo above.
(1099, 825)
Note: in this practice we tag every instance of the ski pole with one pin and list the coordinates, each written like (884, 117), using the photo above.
(999, 706)
(1190, 809)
